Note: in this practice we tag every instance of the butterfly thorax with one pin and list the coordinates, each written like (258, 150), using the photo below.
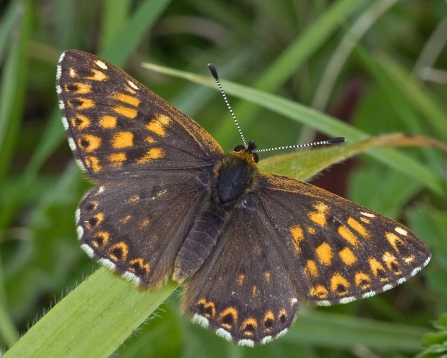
(236, 173)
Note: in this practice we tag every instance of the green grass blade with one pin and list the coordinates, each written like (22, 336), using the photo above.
(317, 328)
(12, 94)
(340, 56)
(9, 20)
(65, 22)
(306, 44)
(91, 321)
(52, 137)
(12, 90)
(416, 95)
(115, 16)
(129, 37)
(293, 57)
(321, 122)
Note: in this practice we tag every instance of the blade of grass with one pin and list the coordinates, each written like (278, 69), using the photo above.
(65, 22)
(12, 94)
(317, 328)
(91, 321)
(115, 16)
(297, 164)
(405, 108)
(404, 93)
(12, 89)
(320, 121)
(292, 58)
(129, 37)
(339, 57)
(11, 17)
(415, 94)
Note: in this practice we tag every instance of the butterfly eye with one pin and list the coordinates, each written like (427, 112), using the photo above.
(255, 157)
(239, 148)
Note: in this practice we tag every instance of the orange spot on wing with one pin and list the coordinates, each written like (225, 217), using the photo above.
(80, 122)
(130, 90)
(122, 140)
(72, 72)
(117, 159)
(159, 124)
(81, 88)
(347, 256)
(319, 216)
(267, 277)
(240, 280)
(324, 253)
(311, 268)
(297, 237)
(89, 142)
(249, 326)
(92, 163)
(133, 101)
(95, 220)
(107, 121)
(376, 267)
(151, 154)
(362, 280)
(339, 284)
(144, 223)
(126, 111)
(269, 318)
(81, 103)
(125, 219)
(134, 199)
(394, 240)
(358, 227)
(319, 291)
(118, 252)
(100, 239)
(228, 317)
(138, 265)
(97, 76)
(346, 234)
(391, 263)
(207, 307)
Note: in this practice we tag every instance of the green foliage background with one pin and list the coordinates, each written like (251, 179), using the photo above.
(378, 65)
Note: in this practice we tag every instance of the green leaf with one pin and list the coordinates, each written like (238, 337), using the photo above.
(319, 121)
(91, 321)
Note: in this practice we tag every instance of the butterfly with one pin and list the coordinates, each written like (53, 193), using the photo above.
(246, 245)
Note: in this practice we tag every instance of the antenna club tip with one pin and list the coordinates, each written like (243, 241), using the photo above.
(337, 140)
(213, 71)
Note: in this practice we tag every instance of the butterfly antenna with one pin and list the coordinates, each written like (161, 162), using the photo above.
(216, 78)
(323, 142)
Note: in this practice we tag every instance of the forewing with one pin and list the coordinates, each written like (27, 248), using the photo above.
(335, 250)
(136, 228)
(119, 129)
(243, 291)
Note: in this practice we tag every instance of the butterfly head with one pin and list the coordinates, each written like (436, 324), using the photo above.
(249, 150)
